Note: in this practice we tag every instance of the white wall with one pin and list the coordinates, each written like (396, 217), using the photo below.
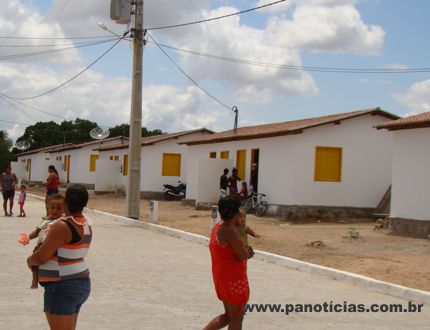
(39, 167)
(208, 176)
(274, 172)
(109, 175)
(366, 164)
(286, 164)
(411, 176)
(19, 168)
(151, 178)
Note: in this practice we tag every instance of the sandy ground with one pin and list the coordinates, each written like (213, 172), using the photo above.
(146, 280)
(378, 254)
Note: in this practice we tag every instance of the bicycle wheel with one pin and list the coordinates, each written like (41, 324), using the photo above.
(247, 204)
(261, 208)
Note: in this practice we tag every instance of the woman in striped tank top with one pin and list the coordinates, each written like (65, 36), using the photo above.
(61, 260)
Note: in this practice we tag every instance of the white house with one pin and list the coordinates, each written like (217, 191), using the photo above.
(78, 163)
(32, 166)
(164, 161)
(75, 163)
(336, 165)
(410, 191)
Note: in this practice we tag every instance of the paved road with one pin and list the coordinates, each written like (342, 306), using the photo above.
(146, 280)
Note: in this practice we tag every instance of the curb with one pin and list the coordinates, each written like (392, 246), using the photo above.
(365, 282)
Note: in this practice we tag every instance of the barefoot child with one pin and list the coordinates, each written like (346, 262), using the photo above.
(244, 230)
(21, 201)
(55, 211)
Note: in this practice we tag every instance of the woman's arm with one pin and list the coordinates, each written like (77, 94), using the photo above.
(58, 235)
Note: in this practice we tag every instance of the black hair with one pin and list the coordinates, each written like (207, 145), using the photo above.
(23, 186)
(226, 171)
(228, 207)
(52, 167)
(56, 197)
(76, 198)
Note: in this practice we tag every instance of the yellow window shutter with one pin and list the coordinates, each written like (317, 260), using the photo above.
(224, 154)
(328, 164)
(171, 165)
(212, 154)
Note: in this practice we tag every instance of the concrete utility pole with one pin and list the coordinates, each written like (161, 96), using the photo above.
(134, 149)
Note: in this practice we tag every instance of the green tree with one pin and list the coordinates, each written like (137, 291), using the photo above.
(124, 130)
(5, 154)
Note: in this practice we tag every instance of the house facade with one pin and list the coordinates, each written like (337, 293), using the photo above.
(336, 165)
(163, 161)
(75, 163)
(410, 191)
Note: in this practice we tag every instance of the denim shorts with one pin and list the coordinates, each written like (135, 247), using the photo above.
(51, 191)
(66, 297)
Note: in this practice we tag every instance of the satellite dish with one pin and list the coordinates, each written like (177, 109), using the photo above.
(99, 133)
(22, 145)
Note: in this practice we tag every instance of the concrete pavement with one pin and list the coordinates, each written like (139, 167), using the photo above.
(146, 280)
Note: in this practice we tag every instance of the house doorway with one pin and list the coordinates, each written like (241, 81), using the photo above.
(67, 167)
(255, 162)
(29, 169)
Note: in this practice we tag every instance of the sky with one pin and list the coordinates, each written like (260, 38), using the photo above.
(356, 35)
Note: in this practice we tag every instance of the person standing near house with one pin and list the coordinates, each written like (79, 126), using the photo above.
(232, 183)
(254, 177)
(52, 184)
(223, 184)
(8, 180)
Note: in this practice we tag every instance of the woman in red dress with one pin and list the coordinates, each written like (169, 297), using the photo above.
(229, 255)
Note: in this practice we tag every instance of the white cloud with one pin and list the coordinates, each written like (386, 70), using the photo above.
(328, 26)
(417, 98)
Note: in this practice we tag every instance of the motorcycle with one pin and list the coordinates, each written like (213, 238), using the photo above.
(174, 192)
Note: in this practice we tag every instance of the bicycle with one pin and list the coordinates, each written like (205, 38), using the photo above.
(256, 204)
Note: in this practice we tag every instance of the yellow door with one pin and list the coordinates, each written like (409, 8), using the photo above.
(67, 167)
(240, 163)
(125, 165)
(29, 169)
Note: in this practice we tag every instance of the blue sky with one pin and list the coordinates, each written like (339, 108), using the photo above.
(366, 34)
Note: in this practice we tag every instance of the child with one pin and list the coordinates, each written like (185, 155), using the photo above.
(244, 191)
(56, 210)
(244, 230)
(21, 201)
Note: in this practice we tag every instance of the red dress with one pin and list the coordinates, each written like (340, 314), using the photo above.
(229, 272)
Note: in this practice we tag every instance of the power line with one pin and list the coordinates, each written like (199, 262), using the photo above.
(300, 68)
(191, 79)
(102, 39)
(43, 52)
(67, 81)
(52, 38)
(13, 122)
(214, 18)
(34, 108)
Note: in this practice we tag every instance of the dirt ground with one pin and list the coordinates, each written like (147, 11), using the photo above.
(376, 253)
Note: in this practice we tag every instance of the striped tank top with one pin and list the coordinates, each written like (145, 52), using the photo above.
(68, 262)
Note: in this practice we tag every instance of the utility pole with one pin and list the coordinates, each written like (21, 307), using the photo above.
(134, 149)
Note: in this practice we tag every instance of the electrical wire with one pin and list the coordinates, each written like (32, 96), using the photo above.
(294, 67)
(213, 18)
(52, 38)
(13, 122)
(67, 81)
(43, 52)
(54, 45)
(191, 79)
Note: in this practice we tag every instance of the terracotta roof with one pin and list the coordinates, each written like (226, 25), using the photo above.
(45, 149)
(67, 146)
(416, 121)
(285, 128)
(150, 140)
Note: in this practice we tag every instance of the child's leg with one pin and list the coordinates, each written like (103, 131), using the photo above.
(35, 281)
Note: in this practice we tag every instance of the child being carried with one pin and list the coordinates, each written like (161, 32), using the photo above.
(55, 211)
